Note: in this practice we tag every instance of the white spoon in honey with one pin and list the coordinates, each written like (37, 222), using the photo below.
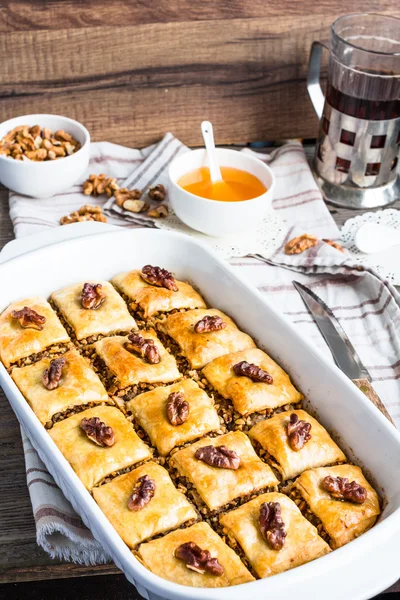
(208, 137)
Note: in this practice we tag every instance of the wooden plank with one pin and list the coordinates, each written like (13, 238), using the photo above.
(130, 84)
(22, 15)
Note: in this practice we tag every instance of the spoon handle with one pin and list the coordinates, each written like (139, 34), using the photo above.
(208, 136)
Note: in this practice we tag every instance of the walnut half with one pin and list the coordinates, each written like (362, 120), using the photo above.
(209, 323)
(145, 347)
(341, 489)
(29, 318)
(218, 456)
(197, 559)
(271, 525)
(98, 432)
(92, 296)
(143, 492)
(298, 432)
(177, 408)
(159, 277)
(51, 376)
(253, 372)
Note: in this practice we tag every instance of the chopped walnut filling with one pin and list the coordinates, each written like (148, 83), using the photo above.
(271, 525)
(98, 432)
(198, 560)
(92, 296)
(29, 318)
(341, 489)
(177, 408)
(209, 323)
(298, 432)
(51, 376)
(146, 348)
(218, 456)
(143, 492)
(159, 277)
(252, 371)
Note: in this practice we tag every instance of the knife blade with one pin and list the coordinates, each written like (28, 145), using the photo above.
(343, 351)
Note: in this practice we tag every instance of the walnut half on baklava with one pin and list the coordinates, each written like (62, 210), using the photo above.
(273, 534)
(342, 499)
(93, 309)
(205, 334)
(195, 556)
(143, 503)
(56, 385)
(223, 468)
(174, 414)
(30, 329)
(252, 380)
(151, 298)
(295, 441)
(99, 442)
(126, 362)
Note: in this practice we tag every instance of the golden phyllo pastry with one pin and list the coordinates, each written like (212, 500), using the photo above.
(161, 509)
(344, 515)
(27, 328)
(73, 384)
(249, 388)
(168, 421)
(295, 447)
(241, 472)
(221, 568)
(128, 367)
(93, 309)
(301, 542)
(92, 450)
(152, 299)
(205, 334)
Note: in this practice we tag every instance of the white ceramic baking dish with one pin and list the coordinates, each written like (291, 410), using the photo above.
(357, 571)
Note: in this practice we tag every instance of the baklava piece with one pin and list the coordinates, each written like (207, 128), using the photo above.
(175, 414)
(99, 442)
(341, 499)
(148, 293)
(195, 556)
(205, 334)
(143, 503)
(273, 534)
(130, 364)
(251, 380)
(30, 330)
(223, 469)
(59, 385)
(294, 441)
(92, 310)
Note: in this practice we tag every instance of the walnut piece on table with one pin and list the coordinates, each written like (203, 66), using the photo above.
(301, 243)
(87, 212)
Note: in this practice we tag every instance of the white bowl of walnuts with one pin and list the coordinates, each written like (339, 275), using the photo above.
(42, 155)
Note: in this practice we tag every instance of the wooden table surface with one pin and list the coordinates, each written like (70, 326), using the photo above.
(21, 559)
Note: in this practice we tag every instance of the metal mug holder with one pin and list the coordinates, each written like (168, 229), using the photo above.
(355, 163)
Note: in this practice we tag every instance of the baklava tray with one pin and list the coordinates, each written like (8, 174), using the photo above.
(363, 433)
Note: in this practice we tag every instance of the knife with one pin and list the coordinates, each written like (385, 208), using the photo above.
(343, 351)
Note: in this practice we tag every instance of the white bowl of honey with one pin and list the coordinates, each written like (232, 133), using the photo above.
(231, 206)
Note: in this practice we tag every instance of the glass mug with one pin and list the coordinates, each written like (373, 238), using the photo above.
(359, 137)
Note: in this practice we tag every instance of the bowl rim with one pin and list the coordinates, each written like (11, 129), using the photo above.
(44, 164)
(210, 201)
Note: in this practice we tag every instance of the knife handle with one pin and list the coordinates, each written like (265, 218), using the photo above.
(365, 386)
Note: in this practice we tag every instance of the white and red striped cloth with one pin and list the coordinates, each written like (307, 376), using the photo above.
(367, 307)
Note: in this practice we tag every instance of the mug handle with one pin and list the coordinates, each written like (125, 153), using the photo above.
(313, 77)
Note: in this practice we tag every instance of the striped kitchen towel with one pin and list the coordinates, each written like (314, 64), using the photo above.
(367, 307)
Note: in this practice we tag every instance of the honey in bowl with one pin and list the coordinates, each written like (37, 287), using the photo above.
(236, 185)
